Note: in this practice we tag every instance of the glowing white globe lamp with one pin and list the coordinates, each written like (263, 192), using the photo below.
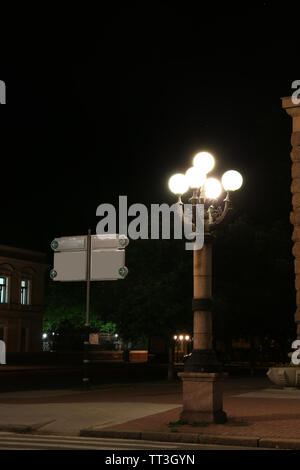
(195, 177)
(232, 180)
(178, 184)
(212, 188)
(204, 161)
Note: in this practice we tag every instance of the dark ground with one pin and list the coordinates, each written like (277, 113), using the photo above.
(52, 371)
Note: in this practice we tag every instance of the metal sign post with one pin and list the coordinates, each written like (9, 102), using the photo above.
(89, 258)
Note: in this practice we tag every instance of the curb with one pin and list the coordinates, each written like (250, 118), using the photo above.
(192, 438)
(23, 428)
(17, 428)
(292, 444)
(180, 437)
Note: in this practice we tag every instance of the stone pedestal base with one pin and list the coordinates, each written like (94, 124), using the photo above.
(202, 397)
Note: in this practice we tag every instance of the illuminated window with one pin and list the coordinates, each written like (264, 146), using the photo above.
(3, 290)
(25, 291)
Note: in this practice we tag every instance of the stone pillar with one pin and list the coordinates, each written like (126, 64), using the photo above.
(294, 111)
(202, 290)
(203, 358)
(202, 378)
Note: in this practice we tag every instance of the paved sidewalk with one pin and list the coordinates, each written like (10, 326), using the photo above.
(259, 414)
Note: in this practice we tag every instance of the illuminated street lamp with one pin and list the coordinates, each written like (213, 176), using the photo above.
(204, 161)
(181, 343)
(202, 370)
(178, 184)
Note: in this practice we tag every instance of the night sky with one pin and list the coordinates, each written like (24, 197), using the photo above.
(113, 100)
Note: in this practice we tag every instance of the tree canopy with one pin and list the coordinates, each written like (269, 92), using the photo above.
(253, 288)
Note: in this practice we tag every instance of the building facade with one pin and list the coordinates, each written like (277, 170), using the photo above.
(22, 287)
(292, 107)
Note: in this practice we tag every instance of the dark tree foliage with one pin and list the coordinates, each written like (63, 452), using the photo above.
(254, 292)
(154, 299)
(253, 288)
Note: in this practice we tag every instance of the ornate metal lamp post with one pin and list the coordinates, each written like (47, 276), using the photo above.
(202, 377)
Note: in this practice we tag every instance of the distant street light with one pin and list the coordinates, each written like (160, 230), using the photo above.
(180, 344)
(202, 368)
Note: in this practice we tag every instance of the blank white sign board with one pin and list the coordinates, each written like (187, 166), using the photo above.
(107, 258)
(70, 265)
(105, 265)
(98, 242)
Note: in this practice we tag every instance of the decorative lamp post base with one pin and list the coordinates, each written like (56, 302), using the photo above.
(202, 397)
